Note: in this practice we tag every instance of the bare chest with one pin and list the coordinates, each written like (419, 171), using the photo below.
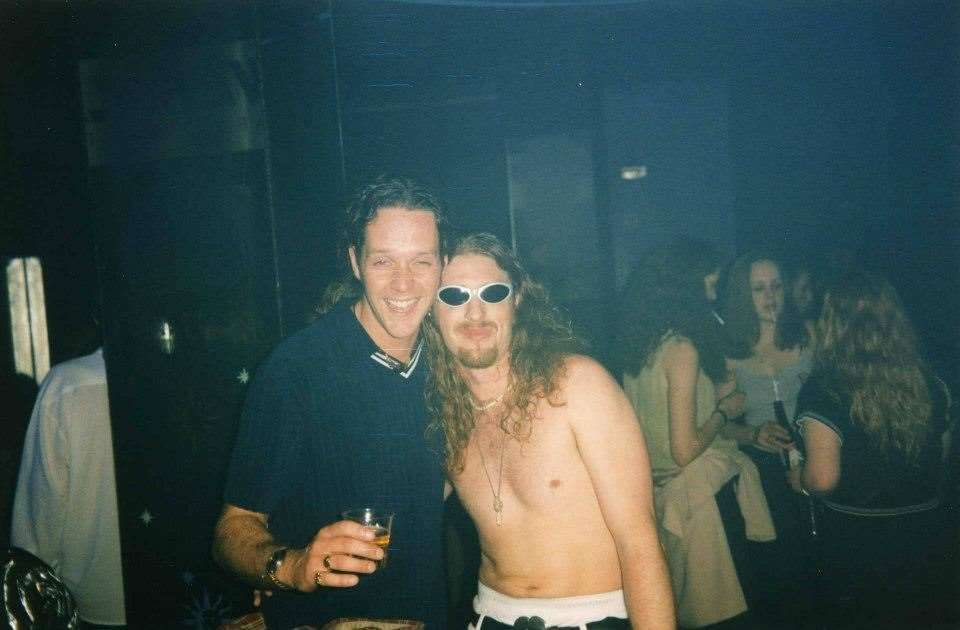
(541, 473)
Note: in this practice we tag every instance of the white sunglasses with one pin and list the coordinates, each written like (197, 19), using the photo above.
(455, 296)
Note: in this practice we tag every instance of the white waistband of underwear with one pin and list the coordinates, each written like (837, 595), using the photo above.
(557, 611)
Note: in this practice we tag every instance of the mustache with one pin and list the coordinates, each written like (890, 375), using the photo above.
(465, 326)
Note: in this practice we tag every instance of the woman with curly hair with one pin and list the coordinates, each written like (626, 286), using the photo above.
(874, 422)
(670, 353)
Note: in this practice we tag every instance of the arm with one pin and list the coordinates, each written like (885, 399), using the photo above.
(611, 445)
(732, 402)
(821, 471)
(770, 436)
(271, 430)
(242, 544)
(682, 366)
(742, 433)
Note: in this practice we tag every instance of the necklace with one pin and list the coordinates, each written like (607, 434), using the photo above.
(497, 501)
(489, 404)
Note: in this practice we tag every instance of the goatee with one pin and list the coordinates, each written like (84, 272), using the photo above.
(477, 359)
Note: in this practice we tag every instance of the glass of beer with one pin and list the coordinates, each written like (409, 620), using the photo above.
(380, 521)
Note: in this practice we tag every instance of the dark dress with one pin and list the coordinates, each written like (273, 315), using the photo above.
(882, 529)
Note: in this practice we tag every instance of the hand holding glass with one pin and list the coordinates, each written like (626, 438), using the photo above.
(380, 522)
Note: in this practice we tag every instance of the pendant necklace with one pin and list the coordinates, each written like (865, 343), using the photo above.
(497, 501)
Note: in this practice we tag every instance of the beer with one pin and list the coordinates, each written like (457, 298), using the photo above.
(378, 522)
(382, 540)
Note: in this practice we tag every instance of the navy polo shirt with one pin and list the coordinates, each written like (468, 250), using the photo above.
(330, 425)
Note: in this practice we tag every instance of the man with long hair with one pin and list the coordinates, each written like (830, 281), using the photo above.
(334, 421)
(545, 453)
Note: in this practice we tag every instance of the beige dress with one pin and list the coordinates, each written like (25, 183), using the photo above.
(704, 577)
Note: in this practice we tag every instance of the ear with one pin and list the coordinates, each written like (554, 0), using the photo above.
(354, 264)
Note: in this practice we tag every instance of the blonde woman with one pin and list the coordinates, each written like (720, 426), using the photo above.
(874, 422)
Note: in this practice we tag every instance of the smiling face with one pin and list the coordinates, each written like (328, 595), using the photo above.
(477, 334)
(766, 287)
(399, 268)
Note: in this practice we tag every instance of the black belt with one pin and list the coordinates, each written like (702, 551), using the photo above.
(536, 623)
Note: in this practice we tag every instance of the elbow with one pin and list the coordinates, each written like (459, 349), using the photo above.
(816, 482)
(682, 456)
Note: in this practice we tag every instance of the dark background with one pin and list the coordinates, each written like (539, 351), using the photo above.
(183, 163)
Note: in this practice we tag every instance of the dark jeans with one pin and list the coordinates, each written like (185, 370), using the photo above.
(782, 582)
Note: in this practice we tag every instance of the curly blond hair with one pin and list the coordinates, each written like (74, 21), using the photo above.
(867, 354)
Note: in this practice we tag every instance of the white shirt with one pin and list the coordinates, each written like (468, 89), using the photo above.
(65, 510)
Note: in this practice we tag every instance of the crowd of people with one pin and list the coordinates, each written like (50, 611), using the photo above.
(703, 477)
(826, 394)
(771, 457)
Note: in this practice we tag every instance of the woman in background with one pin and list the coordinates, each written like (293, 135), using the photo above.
(874, 423)
(806, 294)
(674, 373)
(768, 351)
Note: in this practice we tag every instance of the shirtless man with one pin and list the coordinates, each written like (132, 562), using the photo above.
(545, 453)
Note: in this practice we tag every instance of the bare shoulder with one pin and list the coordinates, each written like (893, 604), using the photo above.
(588, 388)
(582, 373)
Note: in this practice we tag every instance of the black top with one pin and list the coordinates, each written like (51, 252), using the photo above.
(871, 483)
(330, 425)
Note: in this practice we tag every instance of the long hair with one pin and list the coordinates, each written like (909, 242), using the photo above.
(541, 340)
(741, 324)
(666, 294)
(867, 354)
(383, 192)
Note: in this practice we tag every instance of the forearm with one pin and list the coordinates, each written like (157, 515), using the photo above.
(709, 430)
(242, 544)
(700, 438)
(646, 587)
(742, 433)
